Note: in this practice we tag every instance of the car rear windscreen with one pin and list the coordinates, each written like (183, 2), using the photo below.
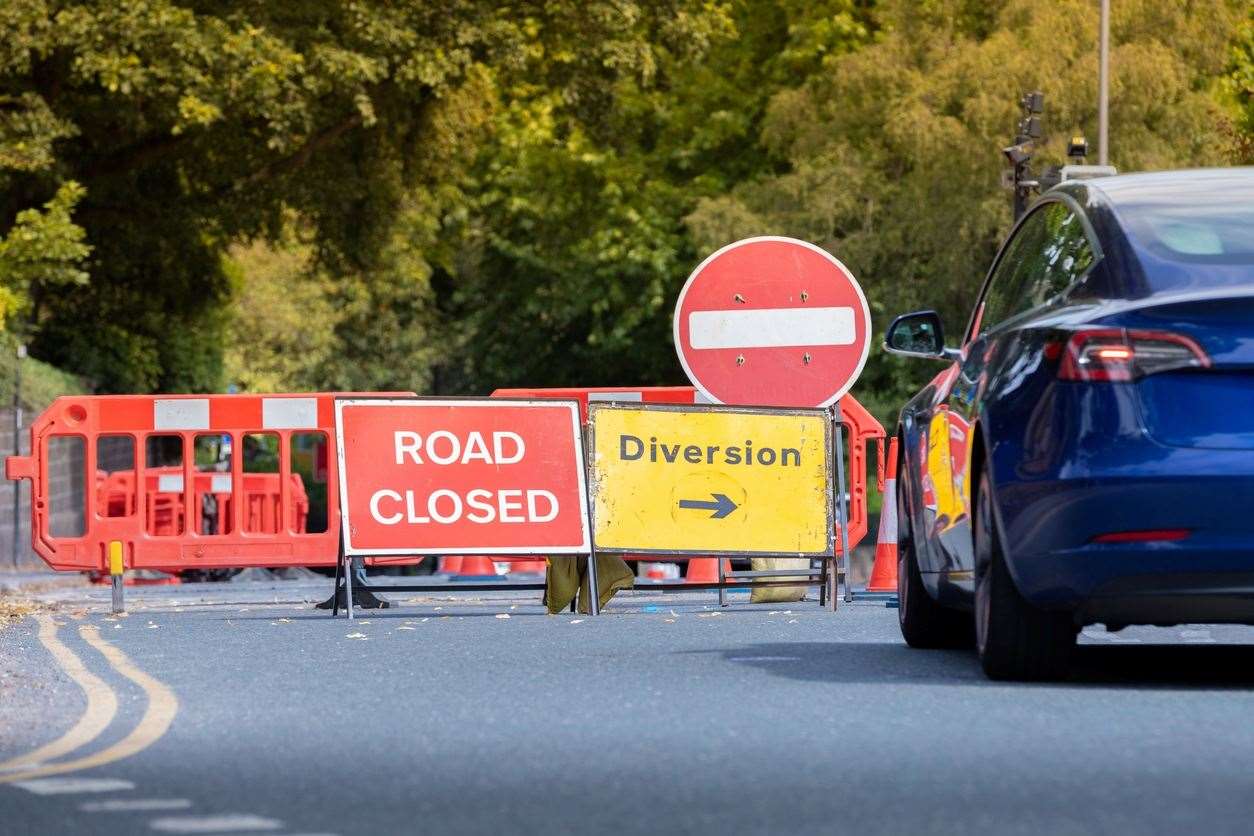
(1207, 219)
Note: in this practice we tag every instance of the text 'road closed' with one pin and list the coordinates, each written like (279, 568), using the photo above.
(471, 476)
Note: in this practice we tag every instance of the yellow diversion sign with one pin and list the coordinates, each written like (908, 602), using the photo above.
(673, 479)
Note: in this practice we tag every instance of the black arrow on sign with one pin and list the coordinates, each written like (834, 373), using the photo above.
(721, 506)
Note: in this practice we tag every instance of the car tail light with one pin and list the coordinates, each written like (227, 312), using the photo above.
(1116, 354)
(1148, 535)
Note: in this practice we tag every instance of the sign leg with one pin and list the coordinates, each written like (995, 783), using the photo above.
(722, 593)
(335, 585)
(594, 591)
(842, 512)
(348, 586)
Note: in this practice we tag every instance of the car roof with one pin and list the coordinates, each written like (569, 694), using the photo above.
(1176, 186)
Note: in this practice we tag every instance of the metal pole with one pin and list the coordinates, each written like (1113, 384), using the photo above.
(594, 593)
(1103, 86)
(841, 511)
(116, 576)
(348, 586)
(17, 450)
(722, 593)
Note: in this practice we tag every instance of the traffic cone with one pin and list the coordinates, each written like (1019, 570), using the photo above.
(450, 565)
(528, 567)
(705, 569)
(884, 571)
(476, 566)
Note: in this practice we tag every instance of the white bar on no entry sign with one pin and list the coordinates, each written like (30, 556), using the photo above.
(180, 414)
(289, 413)
(771, 327)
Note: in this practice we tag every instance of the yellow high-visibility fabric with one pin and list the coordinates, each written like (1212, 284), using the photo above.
(568, 577)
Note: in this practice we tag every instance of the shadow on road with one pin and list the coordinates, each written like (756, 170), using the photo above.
(1156, 666)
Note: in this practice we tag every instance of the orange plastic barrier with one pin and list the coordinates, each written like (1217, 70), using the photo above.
(123, 468)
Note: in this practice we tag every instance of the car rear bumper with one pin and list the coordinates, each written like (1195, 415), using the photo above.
(1173, 598)
(1203, 571)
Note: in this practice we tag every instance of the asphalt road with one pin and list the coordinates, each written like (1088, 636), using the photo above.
(247, 711)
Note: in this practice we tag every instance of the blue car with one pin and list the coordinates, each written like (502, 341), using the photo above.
(1087, 456)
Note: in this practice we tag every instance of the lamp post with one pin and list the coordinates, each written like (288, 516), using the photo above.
(1103, 86)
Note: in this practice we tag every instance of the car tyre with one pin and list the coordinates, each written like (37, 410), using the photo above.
(924, 622)
(1014, 639)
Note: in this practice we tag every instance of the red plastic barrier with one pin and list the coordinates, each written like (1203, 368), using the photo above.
(178, 514)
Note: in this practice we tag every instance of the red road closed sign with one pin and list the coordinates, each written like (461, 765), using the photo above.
(772, 322)
(466, 476)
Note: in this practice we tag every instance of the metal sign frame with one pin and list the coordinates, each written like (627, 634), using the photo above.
(828, 554)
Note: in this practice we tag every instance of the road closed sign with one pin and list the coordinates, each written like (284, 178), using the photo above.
(711, 480)
(465, 476)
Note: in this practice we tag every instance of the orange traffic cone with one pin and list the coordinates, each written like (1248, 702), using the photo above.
(705, 569)
(450, 565)
(884, 571)
(477, 566)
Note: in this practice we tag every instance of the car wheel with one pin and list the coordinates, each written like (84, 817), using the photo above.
(924, 623)
(1014, 639)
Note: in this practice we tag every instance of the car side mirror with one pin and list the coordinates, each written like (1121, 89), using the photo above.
(918, 334)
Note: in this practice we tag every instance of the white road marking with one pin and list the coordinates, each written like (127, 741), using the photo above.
(225, 823)
(128, 805)
(65, 786)
(772, 327)
(1113, 638)
(763, 658)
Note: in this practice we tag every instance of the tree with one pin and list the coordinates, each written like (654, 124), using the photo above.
(572, 246)
(1240, 88)
(191, 126)
(42, 249)
(892, 158)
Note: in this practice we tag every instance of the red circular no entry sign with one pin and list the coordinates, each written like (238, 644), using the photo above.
(772, 322)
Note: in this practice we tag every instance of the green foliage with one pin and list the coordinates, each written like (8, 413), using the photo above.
(281, 317)
(194, 125)
(892, 158)
(42, 249)
(455, 196)
(41, 382)
(1240, 88)
(573, 244)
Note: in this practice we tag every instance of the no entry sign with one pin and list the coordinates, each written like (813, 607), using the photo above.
(704, 479)
(772, 322)
(467, 476)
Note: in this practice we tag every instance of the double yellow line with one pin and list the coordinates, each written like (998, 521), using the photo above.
(102, 707)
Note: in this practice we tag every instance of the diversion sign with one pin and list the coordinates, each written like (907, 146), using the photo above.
(711, 480)
(462, 476)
